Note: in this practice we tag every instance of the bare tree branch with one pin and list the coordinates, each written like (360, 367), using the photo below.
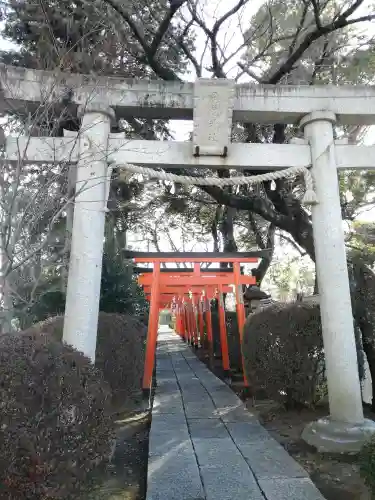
(188, 53)
(227, 15)
(300, 27)
(217, 67)
(316, 9)
(149, 51)
(293, 243)
(341, 22)
(163, 28)
(350, 10)
(249, 72)
(320, 62)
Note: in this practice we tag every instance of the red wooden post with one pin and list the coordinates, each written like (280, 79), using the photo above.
(187, 321)
(209, 330)
(178, 319)
(182, 320)
(186, 324)
(191, 322)
(240, 307)
(200, 320)
(223, 332)
(177, 316)
(194, 322)
(195, 306)
(209, 322)
(152, 332)
(188, 318)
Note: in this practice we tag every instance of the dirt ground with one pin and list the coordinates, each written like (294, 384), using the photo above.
(337, 477)
(125, 478)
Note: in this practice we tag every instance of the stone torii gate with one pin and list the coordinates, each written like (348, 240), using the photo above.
(213, 105)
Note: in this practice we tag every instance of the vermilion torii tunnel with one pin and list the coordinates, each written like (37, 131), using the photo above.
(190, 291)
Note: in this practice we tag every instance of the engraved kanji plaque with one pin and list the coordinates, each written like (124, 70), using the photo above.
(213, 111)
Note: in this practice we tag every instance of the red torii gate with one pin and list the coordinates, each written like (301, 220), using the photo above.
(186, 317)
(196, 277)
(182, 300)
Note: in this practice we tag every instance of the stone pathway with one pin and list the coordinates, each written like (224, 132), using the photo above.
(204, 444)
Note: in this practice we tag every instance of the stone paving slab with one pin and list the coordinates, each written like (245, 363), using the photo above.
(164, 445)
(230, 483)
(167, 384)
(207, 428)
(203, 408)
(286, 489)
(224, 472)
(247, 432)
(269, 460)
(168, 405)
(170, 423)
(229, 413)
(217, 452)
(176, 478)
(205, 445)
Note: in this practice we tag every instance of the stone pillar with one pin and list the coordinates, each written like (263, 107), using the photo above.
(85, 268)
(345, 429)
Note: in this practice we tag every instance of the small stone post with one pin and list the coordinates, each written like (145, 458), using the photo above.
(85, 269)
(345, 429)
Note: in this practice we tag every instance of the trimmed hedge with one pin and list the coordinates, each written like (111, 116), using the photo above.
(283, 352)
(55, 427)
(120, 351)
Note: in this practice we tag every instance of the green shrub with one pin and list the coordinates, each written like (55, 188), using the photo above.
(120, 350)
(119, 293)
(283, 352)
(55, 427)
(367, 464)
(119, 290)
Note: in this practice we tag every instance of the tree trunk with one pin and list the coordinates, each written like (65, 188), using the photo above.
(260, 272)
(369, 349)
(6, 315)
(227, 230)
(362, 281)
(7, 309)
(360, 350)
(316, 286)
(214, 229)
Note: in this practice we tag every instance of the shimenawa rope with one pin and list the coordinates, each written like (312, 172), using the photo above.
(309, 197)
